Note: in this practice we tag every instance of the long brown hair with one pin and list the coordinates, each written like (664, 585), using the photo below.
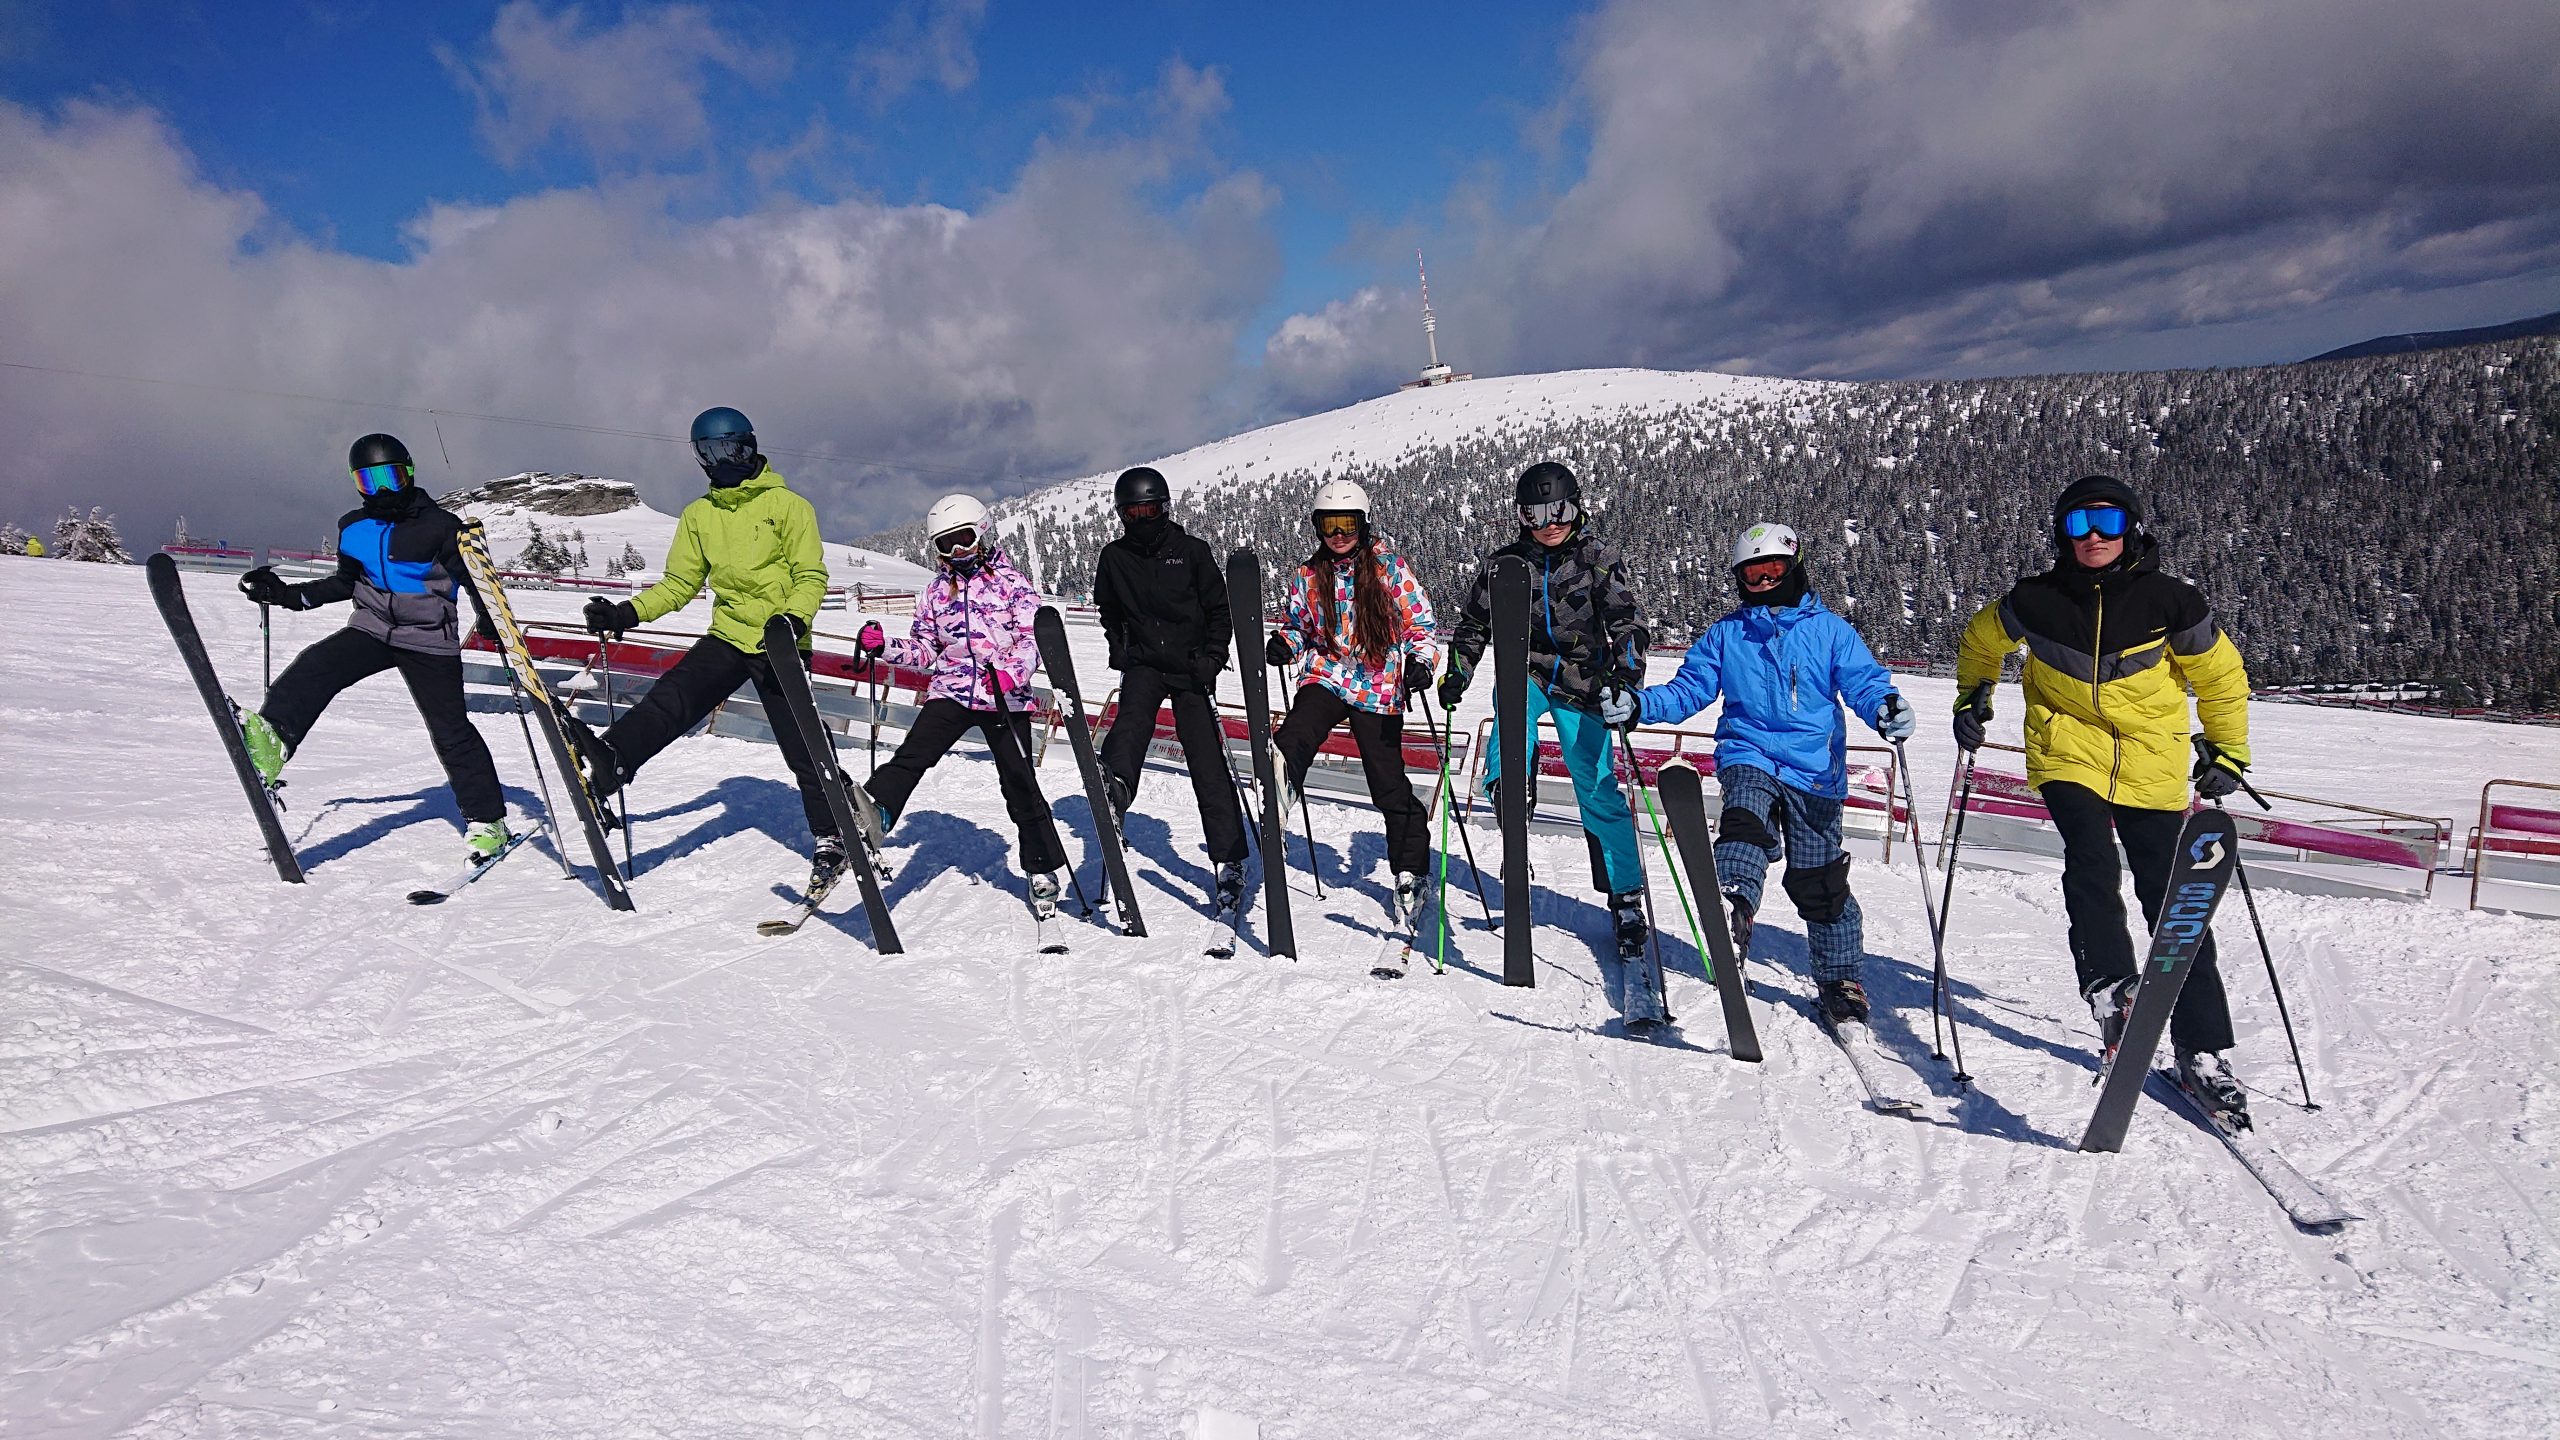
(1373, 614)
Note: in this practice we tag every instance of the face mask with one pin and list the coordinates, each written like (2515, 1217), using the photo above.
(729, 460)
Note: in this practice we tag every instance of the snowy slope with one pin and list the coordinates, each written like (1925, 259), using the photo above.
(306, 1161)
(1391, 425)
(610, 514)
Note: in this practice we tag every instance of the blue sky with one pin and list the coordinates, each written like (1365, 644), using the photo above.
(939, 242)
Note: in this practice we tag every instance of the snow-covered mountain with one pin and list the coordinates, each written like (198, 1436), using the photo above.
(604, 516)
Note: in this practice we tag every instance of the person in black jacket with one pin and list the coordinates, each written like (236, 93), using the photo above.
(398, 561)
(1164, 612)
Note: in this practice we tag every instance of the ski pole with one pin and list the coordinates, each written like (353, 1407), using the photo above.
(1307, 821)
(621, 805)
(1937, 928)
(2250, 899)
(541, 777)
(1449, 797)
(1946, 900)
(879, 693)
(267, 648)
(1002, 741)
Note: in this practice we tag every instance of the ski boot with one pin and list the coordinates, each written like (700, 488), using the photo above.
(598, 767)
(1280, 778)
(1407, 903)
(1228, 885)
(1741, 927)
(1626, 912)
(486, 839)
(826, 865)
(2207, 1078)
(1118, 795)
(267, 749)
(1044, 895)
(2111, 1004)
(1842, 1002)
(875, 822)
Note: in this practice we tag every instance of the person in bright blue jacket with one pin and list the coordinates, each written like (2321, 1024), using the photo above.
(1782, 663)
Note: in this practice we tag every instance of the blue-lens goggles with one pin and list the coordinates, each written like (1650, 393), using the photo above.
(2106, 520)
(381, 479)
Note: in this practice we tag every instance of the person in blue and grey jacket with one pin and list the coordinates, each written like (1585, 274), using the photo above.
(398, 563)
(1782, 663)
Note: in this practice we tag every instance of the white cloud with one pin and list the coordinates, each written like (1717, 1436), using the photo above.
(934, 40)
(1076, 320)
(630, 91)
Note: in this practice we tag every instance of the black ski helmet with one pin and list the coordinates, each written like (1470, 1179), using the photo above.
(2097, 490)
(1140, 485)
(379, 449)
(1547, 482)
(724, 444)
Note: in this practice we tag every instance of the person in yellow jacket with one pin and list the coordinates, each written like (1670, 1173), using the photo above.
(755, 543)
(2113, 648)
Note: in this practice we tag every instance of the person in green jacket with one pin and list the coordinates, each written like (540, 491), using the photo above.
(756, 544)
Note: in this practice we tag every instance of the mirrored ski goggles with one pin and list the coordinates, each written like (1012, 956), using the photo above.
(2105, 520)
(381, 479)
(1340, 522)
(952, 543)
(1143, 510)
(1551, 513)
(725, 449)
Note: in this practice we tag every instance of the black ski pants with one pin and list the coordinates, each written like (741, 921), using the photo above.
(709, 673)
(1312, 716)
(939, 726)
(1143, 692)
(2093, 896)
(435, 683)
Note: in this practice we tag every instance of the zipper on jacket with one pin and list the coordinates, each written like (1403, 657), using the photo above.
(2097, 696)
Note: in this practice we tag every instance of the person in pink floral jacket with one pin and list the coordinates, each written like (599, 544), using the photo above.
(972, 632)
(1355, 615)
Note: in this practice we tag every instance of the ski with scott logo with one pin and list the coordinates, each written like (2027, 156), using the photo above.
(2208, 850)
(1684, 807)
(166, 592)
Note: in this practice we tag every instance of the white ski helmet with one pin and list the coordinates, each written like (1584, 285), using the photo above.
(1340, 496)
(1766, 541)
(955, 512)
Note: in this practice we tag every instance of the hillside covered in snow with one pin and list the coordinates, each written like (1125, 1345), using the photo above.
(2389, 520)
(607, 520)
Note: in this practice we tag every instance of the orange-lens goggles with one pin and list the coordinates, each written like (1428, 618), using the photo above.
(1338, 524)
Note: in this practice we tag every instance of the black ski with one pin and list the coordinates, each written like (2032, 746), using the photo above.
(478, 868)
(547, 711)
(1244, 602)
(1050, 629)
(166, 592)
(810, 899)
(1684, 804)
(791, 677)
(2302, 1198)
(2208, 851)
(1510, 625)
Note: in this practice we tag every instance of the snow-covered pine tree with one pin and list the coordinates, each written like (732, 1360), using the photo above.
(92, 538)
(631, 558)
(13, 541)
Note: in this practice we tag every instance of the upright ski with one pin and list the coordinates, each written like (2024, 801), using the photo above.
(547, 711)
(1684, 804)
(1510, 625)
(162, 572)
(1050, 629)
(1244, 602)
(791, 677)
(2208, 851)
(2302, 1198)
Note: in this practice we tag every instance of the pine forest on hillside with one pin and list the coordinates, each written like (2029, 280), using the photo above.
(2387, 520)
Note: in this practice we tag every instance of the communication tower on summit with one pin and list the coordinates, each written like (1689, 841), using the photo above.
(1434, 373)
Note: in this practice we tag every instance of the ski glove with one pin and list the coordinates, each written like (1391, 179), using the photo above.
(1453, 687)
(264, 586)
(1973, 716)
(1618, 706)
(2217, 771)
(1275, 651)
(870, 639)
(1895, 720)
(1205, 670)
(611, 617)
(799, 627)
(1417, 676)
